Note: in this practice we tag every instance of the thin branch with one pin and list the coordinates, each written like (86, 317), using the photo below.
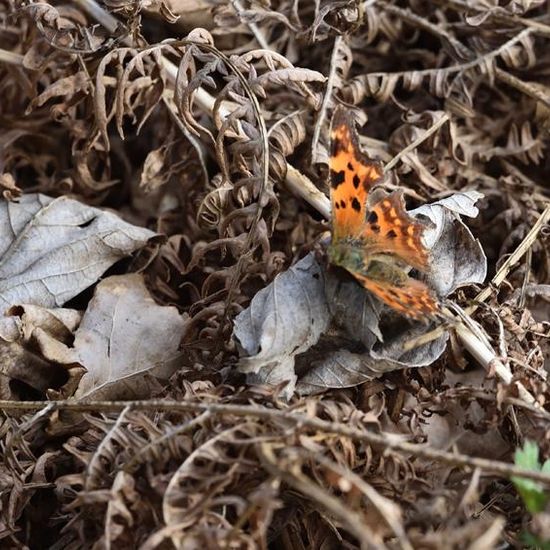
(10, 57)
(383, 441)
(533, 90)
(303, 187)
(254, 29)
(413, 145)
(421, 22)
(386, 508)
(512, 260)
(353, 520)
(488, 358)
(498, 14)
(475, 342)
(461, 67)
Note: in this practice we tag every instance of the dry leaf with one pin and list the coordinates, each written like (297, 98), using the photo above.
(123, 336)
(284, 319)
(53, 249)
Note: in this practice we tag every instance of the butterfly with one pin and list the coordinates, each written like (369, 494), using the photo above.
(374, 243)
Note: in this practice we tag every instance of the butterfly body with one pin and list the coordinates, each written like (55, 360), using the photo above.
(376, 242)
(347, 255)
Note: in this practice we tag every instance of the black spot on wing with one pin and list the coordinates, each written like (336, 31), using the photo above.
(342, 204)
(356, 205)
(375, 227)
(391, 234)
(356, 181)
(337, 178)
(372, 217)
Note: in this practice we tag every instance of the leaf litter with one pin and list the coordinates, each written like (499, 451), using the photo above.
(163, 237)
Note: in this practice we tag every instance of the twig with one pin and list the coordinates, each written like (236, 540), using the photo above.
(104, 18)
(482, 395)
(463, 7)
(10, 57)
(525, 282)
(486, 357)
(384, 441)
(254, 29)
(444, 36)
(304, 188)
(475, 342)
(385, 507)
(480, 351)
(512, 260)
(451, 69)
(413, 145)
(531, 89)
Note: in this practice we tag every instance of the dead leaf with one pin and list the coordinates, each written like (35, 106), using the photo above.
(53, 249)
(284, 319)
(124, 335)
(25, 372)
(457, 257)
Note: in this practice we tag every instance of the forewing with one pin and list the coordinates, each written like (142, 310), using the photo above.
(352, 175)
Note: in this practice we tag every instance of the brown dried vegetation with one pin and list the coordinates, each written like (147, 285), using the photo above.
(212, 140)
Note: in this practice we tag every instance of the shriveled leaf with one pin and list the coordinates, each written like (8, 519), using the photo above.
(60, 322)
(284, 319)
(25, 371)
(53, 249)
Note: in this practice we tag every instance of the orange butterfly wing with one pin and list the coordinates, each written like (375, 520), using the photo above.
(386, 229)
(352, 175)
(414, 299)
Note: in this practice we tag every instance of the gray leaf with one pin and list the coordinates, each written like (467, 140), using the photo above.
(353, 309)
(339, 369)
(391, 354)
(52, 249)
(283, 319)
(457, 257)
